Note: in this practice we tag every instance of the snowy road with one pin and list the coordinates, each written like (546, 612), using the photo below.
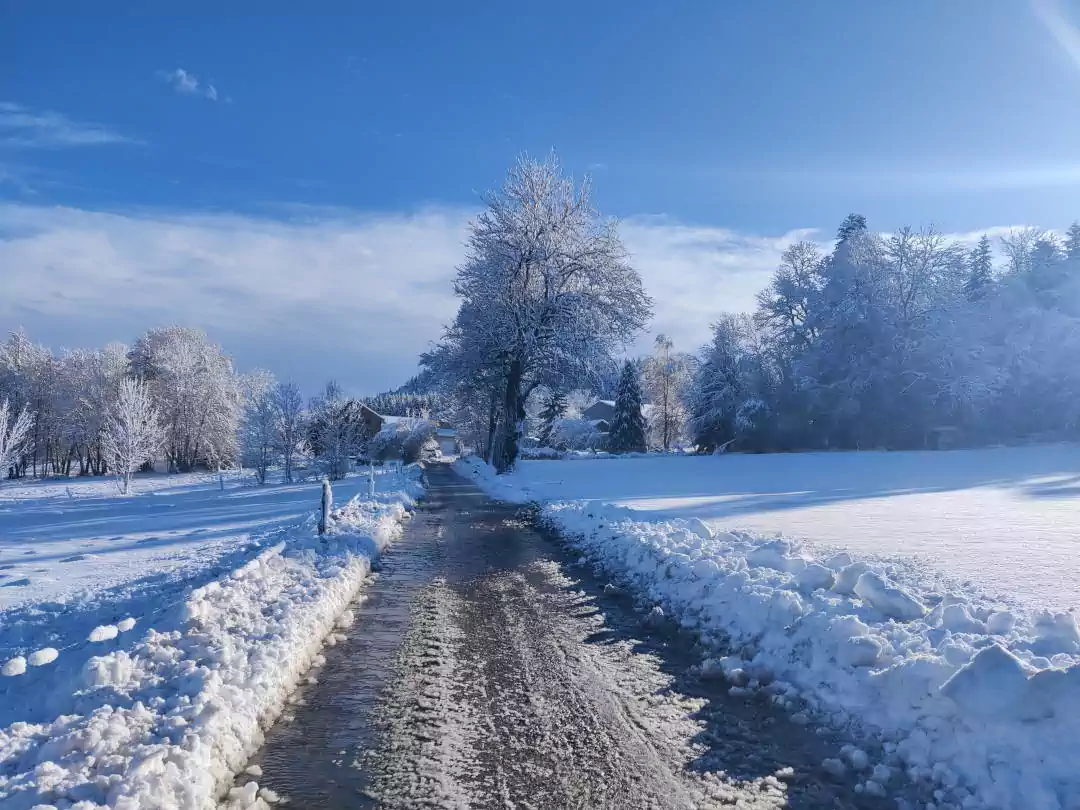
(487, 668)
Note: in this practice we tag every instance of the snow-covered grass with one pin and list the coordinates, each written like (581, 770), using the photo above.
(1005, 519)
(944, 685)
(153, 693)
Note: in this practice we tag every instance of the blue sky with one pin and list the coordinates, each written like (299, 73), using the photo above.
(162, 168)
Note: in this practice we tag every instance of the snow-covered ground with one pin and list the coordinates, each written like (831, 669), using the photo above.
(1007, 520)
(158, 632)
(947, 685)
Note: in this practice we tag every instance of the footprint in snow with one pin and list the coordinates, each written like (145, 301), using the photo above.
(76, 558)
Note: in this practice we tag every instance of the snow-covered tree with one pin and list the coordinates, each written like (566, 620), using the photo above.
(196, 392)
(554, 408)
(15, 432)
(403, 439)
(980, 270)
(666, 377)
(133, 433)
(290, 425)
(547, 295)
(729, 396)
(336, 430)
(1072, 241)
(628, 429)
(575, 433)
(259, 424)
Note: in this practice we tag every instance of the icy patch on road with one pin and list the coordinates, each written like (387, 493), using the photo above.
(167, 723)
(950, 688)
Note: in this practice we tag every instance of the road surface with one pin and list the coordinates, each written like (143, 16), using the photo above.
(489, 668)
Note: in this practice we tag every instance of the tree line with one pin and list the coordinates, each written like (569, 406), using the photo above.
(897, 341)
(172, 396)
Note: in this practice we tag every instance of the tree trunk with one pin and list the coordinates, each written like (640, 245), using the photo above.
(493, 416)
(505, 450)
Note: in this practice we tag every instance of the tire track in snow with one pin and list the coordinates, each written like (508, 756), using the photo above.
(488, 669)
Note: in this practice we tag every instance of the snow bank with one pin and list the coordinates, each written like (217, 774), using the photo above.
(168, 722)
(947, 689)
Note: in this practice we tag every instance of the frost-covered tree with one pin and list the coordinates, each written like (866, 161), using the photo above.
(259, 424)
(336, 430)
(1072, 241)
(575, 433)
(28, 371)
(729, 396)
(547, 295)
(405, 439)
(853, 225)
(980, 270)
(196, 392)
(1018, 246)
(667, 378)
(289, 425)
(15, 430)
(132, 431)
(554, 408)
(628, 428)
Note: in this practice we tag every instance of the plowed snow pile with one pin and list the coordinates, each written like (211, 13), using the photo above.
(946, 687)
(167, 722)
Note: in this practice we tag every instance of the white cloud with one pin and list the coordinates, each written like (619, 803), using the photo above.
(358, 297)
(23, 127)
(187, 84)
(329, 292)
(694, 273)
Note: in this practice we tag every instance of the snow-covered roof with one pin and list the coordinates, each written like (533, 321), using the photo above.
(446, 431)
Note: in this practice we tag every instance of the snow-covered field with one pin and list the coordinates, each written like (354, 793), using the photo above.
(1007, 520)
(946, 685)
(145, 640)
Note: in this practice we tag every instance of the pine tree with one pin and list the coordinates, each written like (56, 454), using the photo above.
(1072, 241)
(980, 270)
(628, 425)
(554, 408)
(852, 224)
(1047, 269)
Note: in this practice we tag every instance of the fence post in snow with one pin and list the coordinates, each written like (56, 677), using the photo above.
(327, 502)
(371, 478)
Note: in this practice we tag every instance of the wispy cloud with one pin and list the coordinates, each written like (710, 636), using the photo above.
(374, 291)
(23, 127)
(350, 295)
(186, 83)
(328, 291)
(694, 273)
(1054, 19)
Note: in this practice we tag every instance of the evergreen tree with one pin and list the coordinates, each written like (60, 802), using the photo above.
(1072, 241)
(980, 270)
(853, 224)
(1047, 269)
(554, 408)
(628, 425)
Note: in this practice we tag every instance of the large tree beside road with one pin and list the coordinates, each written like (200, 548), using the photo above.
(547, 298)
